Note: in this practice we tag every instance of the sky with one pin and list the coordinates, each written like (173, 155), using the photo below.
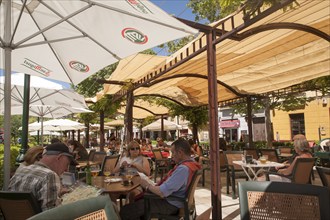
(177, 8)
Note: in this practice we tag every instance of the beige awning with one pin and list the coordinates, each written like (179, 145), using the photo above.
(263, 62)
(131, 68)
(118, 122)
(143, 109)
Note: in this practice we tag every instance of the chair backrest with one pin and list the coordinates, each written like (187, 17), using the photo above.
(91, 154)
(110, 163)
(324, 174)
(231, 156)
(281, 200)
(157, 154)
(99, 207)
(271, 153)
(18, 205)
(285, 150)
(99, 156)
(252, 151)
(222, 159)
(302, 170)
(190, 194)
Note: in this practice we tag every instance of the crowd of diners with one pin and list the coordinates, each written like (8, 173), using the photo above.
(43, 166)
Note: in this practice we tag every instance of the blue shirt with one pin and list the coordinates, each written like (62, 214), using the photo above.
(176, 185)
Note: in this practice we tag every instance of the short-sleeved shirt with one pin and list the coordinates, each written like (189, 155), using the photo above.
(41, 181)
(137, 160)
(176, 185)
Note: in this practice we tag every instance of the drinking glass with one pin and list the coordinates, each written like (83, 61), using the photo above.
(129, 176)
(95, 171)
(106, 172)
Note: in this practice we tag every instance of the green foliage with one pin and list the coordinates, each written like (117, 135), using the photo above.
(16, 123)
(106, 104)
(89, 87)
(14, 150)
(214, 10)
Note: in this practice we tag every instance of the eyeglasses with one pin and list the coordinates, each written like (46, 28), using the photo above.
(135, 148)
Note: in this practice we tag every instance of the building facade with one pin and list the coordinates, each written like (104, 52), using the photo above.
(313, 121)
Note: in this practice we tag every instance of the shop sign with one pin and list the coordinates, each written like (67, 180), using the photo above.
(229, 124)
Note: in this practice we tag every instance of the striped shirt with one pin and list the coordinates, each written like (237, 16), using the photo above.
(41, 181)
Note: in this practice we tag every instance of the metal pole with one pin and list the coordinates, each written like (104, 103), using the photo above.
(249, 120)
(25, 119)
(213, 128)
(7, 92)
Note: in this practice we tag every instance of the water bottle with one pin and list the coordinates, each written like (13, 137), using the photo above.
(88, 174)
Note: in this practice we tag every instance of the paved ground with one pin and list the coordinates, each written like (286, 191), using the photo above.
(230, 207)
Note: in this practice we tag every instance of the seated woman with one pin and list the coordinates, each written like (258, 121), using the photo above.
(32, 155)
(133, 162)
(78, 150)
(301, 147)
(145, 146)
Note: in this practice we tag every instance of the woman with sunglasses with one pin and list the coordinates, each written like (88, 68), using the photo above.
(133, 161)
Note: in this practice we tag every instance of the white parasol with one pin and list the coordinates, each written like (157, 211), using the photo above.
(71, 40)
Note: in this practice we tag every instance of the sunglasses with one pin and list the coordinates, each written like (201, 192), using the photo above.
(135, 148)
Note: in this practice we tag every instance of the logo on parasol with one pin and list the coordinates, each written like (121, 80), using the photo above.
(76, 65)
(36, 67)
(134, 36)
(139, 6)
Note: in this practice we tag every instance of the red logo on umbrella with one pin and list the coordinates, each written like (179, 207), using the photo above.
(134, 36)
(76, 65)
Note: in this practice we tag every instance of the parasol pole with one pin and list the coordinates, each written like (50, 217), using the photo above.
(25, 119)
(7, 92)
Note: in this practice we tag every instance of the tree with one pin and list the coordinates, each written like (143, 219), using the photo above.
(197, 115)
(89, 87)
(105, 107)
(214, 10)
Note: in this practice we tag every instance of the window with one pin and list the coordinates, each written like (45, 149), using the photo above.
(297, 122)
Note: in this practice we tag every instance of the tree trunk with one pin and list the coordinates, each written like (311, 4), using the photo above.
(268, 124)
(86, 134)
(101, 130)
(195, 133)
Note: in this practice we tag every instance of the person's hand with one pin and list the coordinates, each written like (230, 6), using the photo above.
(124, 164)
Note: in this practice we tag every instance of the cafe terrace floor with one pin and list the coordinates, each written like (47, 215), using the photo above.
(230, 207)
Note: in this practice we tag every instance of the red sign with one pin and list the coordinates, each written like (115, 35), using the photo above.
(229, 124)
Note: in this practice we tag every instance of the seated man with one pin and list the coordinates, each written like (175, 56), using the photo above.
(175, 183)
(162, 145)
(43, 177)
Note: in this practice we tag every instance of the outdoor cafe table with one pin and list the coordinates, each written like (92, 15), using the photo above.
(115, 189)
(253, 167)
(83, 164)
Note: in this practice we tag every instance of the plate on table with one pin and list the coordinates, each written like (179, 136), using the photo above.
(112, 180)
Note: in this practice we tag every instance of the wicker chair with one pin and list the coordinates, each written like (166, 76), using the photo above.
(234, 171)
(186, 213)
(252, 151)
(99, 207)
(301, 172)
(91, 154)
(162, 164)
(271, 153)
(99, 157)
(206, 165)
(279, 200)
(109, 163)
(324, 174)
(18, 205)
